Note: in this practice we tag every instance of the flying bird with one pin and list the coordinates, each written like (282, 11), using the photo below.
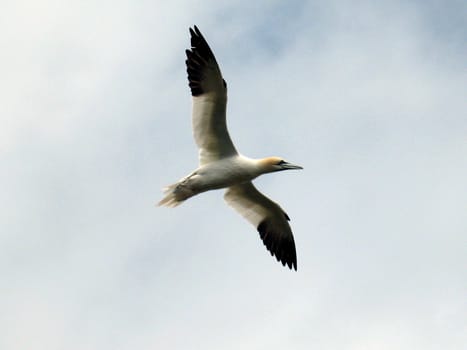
(221, 165)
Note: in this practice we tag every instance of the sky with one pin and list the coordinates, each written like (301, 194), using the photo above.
(369, 97)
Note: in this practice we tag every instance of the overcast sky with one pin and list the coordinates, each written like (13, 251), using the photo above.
(368, 96)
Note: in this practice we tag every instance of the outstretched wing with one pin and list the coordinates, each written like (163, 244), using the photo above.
(209, 93)
(268, 217)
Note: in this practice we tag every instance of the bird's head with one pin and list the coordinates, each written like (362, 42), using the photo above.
(272, 164)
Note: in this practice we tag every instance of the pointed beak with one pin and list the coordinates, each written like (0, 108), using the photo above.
(289, 166)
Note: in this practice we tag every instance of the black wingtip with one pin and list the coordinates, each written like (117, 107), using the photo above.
(198, 57)
(192, 31)
(283, 248)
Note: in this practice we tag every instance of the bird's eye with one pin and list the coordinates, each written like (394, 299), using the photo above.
(282, 162)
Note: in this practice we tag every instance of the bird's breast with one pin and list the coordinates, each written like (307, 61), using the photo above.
(224, 173)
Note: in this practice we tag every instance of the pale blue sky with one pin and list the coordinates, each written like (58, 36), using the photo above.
(95, 119)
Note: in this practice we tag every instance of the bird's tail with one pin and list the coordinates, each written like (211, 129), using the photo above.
(175, 195)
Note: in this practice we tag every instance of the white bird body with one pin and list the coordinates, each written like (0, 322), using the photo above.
(229, 171)
(221, 166)
(218, 174)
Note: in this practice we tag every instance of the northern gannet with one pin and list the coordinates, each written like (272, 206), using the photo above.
(221, 166)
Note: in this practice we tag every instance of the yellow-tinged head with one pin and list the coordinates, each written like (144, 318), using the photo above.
(272, 164)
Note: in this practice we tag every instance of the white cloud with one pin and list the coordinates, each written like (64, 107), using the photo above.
(95, 120)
